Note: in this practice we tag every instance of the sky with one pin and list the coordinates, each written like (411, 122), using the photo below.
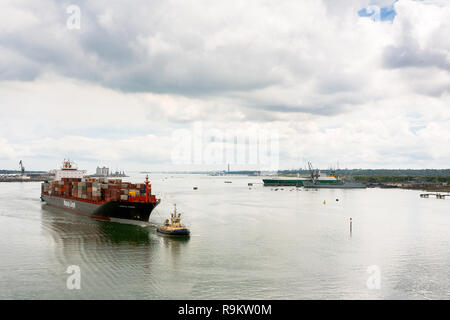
(196, 85)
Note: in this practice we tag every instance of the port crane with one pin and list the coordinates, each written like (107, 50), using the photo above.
(22, 168)
(314, 173)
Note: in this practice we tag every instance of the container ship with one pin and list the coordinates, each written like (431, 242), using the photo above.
(99, 198)
(285, 182)
(316, 177)
(316, 180)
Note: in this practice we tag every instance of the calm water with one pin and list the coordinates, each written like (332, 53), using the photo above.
(246, 243)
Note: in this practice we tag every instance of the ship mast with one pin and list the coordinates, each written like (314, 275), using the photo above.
(146, 188)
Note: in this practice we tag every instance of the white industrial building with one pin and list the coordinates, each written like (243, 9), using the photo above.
(102, 172)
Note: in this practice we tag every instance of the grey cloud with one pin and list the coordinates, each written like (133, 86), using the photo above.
(411, 55)
(18, 67)
(122, 56)
(115, 58)
(316, 109)
(209, 51)
(341, 82)
(412, 50)
(420, 65)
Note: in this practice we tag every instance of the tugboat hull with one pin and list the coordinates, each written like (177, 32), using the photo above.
(179, 232)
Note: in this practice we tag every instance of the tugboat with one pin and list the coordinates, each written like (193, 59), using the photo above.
(174, 228)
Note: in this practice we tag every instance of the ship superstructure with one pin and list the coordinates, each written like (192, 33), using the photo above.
(329, 182)
(69, 169)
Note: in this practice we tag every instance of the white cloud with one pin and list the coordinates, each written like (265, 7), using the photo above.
(6, 150)
(336, 86)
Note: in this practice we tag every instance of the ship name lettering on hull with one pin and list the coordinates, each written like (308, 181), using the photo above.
(69, 204)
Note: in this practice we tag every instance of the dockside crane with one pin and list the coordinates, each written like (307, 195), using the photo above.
(314, 173)
(22, 168)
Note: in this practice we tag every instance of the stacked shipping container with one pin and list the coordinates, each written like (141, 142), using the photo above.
(98, 190)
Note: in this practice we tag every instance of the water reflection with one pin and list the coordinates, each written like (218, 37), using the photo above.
(174, 244)
(114, 258)
(122, 233)
(66, 227)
